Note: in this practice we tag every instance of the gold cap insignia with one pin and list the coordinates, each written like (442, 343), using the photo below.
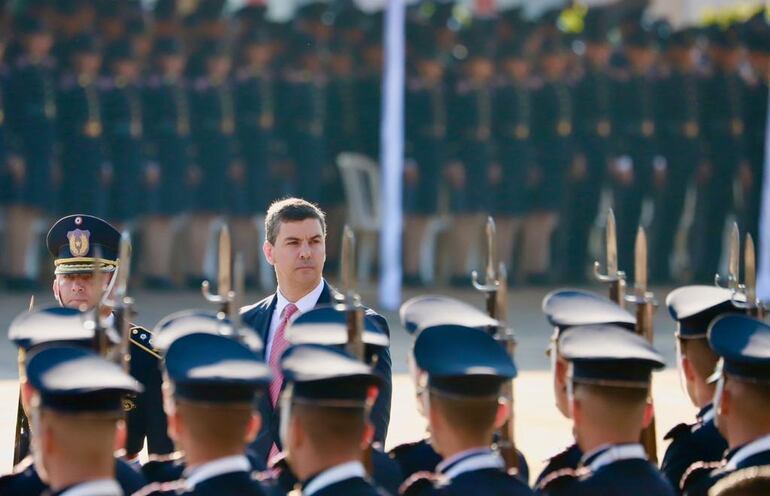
(79, 243)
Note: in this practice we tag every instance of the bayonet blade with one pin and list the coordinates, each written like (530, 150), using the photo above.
(347, 261)
(124, 266)
(750, 272)
(491, 232)
(733, 260)
(640, 263)
(224, 276)
(612, 246)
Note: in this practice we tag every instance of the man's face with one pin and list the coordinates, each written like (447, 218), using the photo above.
(79, 290)
(298, 254)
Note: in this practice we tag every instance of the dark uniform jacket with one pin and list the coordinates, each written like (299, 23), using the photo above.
(619, 470)
(223, 477)
(568, 458)
(554, 134)
(421, 457)
(425, 144)
(515, 151)
(24, 481)
(124, 135)
(145, 417)
(702, 475)
(691, 443)
(80, 128)
(347, 478)
(473, 472)
(31, 117)
(167, 127)
(258, 317)
(212, 109)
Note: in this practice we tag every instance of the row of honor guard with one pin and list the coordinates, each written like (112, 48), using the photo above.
(602, 375)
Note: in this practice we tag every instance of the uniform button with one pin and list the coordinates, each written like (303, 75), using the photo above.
(144, 336)
(135, 331)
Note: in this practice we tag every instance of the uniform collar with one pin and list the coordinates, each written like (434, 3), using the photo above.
(304, 304)
(747, 451)
(470, 460)
(706, 414)
(101, 487)
(220, 466)
(608, 454)
(333, 475)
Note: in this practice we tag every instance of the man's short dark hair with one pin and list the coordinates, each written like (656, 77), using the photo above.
(290, 210)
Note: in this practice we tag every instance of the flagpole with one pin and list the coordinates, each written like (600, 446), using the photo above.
(763, 279)
(392, 156)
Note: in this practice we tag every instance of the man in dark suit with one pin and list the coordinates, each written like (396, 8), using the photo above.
(295, 246)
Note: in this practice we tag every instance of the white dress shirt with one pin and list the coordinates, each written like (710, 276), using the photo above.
(100, 487)
(333, 475)
(215, 468)
(748, 450)
(307, 302)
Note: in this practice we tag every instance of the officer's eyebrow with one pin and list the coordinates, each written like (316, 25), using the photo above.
(295, 238)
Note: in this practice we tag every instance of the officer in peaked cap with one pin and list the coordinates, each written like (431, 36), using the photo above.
(327, 325)
(724, 129)
(29, 113)
(45, 327)
(741, 400)
(573, 309)
(610, 371)
(637, 169)
(324, 411)
(420, 313)
(694, 308)
(85, 251)
(462, 373)
(758, 45)
(212, 382)
(681, 139)
(75, 399)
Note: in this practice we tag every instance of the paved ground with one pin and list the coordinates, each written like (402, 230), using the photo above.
(541, 431)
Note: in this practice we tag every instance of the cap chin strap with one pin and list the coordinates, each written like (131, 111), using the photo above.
(570, 389)
(718, 399)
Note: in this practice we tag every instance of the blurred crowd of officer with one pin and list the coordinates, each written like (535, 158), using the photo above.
(163, 121)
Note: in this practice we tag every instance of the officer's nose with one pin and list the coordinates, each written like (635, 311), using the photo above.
(304, 251)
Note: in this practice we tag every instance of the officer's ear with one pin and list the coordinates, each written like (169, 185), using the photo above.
(267, 249)
(120, 435)
(255, 424)
(687, 369)
(55, 288)
(503, 409)
(649, 414)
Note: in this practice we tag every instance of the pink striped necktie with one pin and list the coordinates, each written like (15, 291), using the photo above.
(279, 346)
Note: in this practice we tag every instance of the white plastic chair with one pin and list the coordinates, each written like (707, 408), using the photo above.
(361, 181)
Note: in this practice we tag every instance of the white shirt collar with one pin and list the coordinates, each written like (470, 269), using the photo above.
(608, 454)
(333, 475)
(208, 470)
(469, 461)
(750, 449)
(101, 487)
(304, 304)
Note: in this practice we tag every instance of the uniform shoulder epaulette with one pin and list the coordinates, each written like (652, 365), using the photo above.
(698, 468)
(142, 338)
(419, 482)
(560, 476)
(403, 448)
(176, 487)
(678, 430)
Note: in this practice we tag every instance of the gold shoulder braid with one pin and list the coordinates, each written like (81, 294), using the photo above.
(142, 338)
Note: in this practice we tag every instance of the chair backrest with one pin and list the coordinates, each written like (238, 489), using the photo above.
(361, 180)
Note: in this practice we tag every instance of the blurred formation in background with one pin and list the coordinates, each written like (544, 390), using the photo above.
(166, 122)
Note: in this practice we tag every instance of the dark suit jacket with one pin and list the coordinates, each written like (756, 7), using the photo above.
(258, 316)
